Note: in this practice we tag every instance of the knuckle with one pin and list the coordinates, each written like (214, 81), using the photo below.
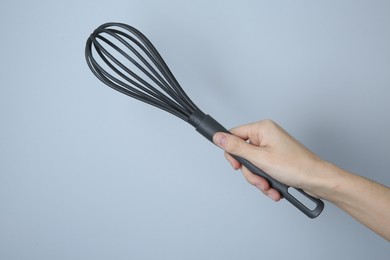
(267, 126)
(238, 146)
(269, 123)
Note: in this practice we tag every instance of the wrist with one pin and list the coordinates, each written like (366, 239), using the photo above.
(326, 180)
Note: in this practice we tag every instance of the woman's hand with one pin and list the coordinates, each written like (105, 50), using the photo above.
(274, 151)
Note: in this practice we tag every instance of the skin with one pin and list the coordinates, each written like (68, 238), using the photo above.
(273, 150)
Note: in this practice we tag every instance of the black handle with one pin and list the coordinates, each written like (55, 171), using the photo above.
(208, 126)
(285, 191)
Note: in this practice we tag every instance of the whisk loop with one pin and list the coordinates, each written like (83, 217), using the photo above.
(125, 60)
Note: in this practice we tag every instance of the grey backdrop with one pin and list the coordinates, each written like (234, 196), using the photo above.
(88, 173)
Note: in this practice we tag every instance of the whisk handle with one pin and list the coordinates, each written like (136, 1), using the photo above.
(312, 207)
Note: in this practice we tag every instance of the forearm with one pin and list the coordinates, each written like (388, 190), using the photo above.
(363, 199)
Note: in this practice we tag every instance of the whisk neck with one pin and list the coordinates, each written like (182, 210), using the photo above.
(196, 118)
(205, 124)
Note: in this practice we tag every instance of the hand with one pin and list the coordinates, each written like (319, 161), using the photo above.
(274, 151)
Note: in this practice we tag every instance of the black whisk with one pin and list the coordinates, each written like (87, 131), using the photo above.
(125, 60)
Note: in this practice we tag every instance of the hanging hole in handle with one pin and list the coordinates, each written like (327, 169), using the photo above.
(311, 205)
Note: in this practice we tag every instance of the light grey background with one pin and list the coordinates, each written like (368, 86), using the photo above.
(88, 173)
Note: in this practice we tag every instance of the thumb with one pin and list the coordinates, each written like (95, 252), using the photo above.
(235, 145)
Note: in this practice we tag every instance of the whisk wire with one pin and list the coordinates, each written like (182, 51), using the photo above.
(138, 88)
(160, 64)
(126, 89)
(149, 89)
(156, 78)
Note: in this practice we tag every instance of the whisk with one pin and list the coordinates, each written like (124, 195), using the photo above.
(124, 59)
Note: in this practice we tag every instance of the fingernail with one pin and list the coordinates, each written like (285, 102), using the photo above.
(220, 139)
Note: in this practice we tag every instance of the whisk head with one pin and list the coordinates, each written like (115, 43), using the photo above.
(125, 60)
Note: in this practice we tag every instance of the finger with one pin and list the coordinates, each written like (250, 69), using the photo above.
(255, 180)
(237, 146)
(233, 162)
(273, 194)
(262, 184)
(256, 132)
(248, 132)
